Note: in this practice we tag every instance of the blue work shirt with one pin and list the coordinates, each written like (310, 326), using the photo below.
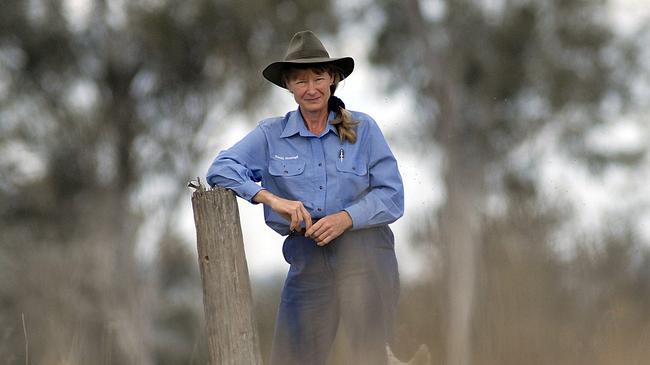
(327, 176)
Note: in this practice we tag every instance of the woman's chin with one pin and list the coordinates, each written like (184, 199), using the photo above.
(313, 107)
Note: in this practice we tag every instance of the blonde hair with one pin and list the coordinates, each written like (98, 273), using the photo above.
(345, 125)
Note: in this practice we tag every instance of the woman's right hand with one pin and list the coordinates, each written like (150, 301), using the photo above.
(292, 210)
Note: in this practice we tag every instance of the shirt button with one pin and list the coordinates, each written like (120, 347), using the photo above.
(286, 172)
(320, 164)
(320, 187)
(319, 209)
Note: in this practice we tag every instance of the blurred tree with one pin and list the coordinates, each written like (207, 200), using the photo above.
(105, 110)
(487, 76)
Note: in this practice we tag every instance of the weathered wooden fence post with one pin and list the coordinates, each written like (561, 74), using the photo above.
(227, 297)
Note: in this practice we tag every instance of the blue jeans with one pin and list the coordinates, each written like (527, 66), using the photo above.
(353, 279)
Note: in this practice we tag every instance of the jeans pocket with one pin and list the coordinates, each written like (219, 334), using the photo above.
(286, 251)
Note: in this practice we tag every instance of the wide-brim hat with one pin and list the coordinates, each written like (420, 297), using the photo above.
(306, 49)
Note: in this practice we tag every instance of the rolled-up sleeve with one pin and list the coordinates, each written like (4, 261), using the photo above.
(240, 167)
(384, 201)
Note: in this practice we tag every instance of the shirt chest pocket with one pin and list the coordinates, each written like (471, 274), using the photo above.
(289, 178)
(286, 168)
(353, 178)
(358, 168)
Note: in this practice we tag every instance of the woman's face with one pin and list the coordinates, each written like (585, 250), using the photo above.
(310, 89)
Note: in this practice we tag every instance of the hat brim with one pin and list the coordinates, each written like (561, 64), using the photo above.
(274, 71)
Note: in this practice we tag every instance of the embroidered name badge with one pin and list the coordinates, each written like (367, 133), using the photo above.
(285, 157)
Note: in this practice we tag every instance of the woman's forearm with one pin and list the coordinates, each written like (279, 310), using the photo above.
(264, 196)
(292, 210)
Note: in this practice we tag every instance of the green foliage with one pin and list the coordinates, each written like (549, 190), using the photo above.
(515, 67)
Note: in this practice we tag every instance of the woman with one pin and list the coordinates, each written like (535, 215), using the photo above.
(330, 182)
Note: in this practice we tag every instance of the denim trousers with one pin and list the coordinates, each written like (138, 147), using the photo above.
(353, 280)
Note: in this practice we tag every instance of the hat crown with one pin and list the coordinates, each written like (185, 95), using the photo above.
(306, 49)
(305, 45)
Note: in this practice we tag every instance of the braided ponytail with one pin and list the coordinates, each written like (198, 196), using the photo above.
(343, 120)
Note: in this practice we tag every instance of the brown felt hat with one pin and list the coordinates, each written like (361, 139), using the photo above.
(304, 49)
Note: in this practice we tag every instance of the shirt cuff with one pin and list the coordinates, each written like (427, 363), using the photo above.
(247, 191)
(357, 215)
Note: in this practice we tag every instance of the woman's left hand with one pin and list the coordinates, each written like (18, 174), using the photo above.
(329, 227)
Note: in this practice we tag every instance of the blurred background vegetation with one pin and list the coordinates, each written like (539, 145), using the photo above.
(107, 107)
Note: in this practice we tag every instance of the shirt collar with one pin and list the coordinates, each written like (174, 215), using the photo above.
(295, 124)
